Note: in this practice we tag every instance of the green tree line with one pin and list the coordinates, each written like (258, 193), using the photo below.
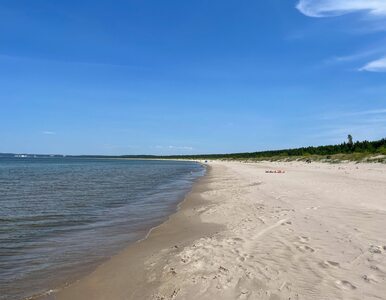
(350, 147)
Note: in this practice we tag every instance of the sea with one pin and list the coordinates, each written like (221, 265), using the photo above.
(64, 216)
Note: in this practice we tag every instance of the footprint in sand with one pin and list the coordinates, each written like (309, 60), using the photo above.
(244, 295)
(261, 220)
(333, 263)
(254, 184)
(242, 257)
(376, 249)
(286, 223)
(259, 207)
(313, 207)
(370, 278)
(346, 285)
(238, 239)
(305, 248)
(304, 239)
(329, 263)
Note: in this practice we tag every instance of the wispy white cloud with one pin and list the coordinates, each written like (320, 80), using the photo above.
(378, 65)
(340, 115)
(364, 55)
(373, 9)
(370, 112)
(49, 132)
(337, 133)
(327, 8)
(362, 124)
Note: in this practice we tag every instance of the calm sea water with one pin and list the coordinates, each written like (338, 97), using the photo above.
(63, 216)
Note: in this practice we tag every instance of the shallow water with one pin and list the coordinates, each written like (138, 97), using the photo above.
(63, 216)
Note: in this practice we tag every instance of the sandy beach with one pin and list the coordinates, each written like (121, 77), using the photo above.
(317, 231)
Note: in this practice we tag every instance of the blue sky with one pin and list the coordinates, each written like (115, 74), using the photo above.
(176, 77)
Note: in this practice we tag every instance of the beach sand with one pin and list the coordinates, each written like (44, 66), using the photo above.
(317, 231)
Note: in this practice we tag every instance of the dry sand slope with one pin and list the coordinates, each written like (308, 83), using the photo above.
(316, 232)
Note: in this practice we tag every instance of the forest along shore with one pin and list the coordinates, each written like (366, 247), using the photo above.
(312, 231)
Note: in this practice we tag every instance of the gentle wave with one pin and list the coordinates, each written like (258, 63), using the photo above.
(63, 216)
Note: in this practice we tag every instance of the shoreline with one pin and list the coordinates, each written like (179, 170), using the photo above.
(174, 231)
(61, 282)
(313, 232)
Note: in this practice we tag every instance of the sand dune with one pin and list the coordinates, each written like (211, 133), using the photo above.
(317, 231)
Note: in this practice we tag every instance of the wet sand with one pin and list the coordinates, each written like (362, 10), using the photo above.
(127, 275)
(316, 231)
